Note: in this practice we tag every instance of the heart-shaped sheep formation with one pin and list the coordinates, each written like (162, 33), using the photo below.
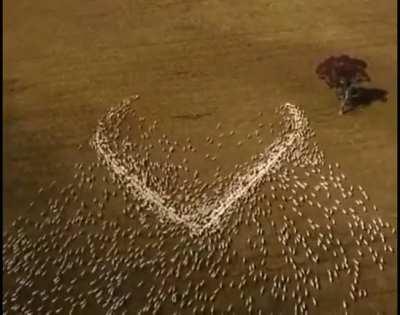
(286, 223)
(289, 147)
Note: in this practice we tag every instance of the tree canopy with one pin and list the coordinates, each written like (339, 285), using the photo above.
(342, 70)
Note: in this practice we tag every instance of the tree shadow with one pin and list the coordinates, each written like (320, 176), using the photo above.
(367, 96)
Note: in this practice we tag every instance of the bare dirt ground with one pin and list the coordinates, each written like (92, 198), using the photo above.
(66, 62)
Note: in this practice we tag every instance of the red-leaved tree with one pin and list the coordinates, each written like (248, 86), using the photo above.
(343, 74)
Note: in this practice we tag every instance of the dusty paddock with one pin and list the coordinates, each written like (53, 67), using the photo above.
(66, 62)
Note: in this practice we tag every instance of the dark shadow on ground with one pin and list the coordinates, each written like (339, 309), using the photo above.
(367, 96)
